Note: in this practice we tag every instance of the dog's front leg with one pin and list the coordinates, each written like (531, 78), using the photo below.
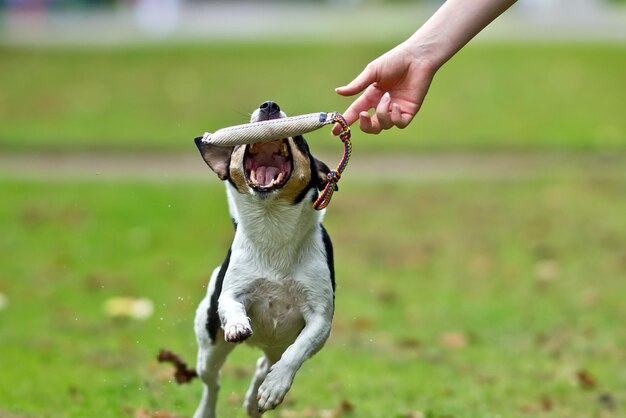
(234, 318)
(279, 380)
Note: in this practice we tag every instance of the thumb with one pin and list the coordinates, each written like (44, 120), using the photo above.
(358, 84)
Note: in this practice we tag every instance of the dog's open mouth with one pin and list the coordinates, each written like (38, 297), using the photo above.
(267, 165)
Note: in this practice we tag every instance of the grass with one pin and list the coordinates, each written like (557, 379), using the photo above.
(489, 96)
(458, 299)
(455, 299)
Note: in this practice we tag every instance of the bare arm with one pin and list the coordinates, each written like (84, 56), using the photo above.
(396, 83)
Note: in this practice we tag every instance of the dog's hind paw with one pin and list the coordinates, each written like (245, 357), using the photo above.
(236, 333)
(252, 409)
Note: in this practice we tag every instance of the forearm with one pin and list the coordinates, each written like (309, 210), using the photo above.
(452, 26)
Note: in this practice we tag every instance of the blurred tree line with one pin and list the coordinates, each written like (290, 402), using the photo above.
(61, 4)
(82, 4)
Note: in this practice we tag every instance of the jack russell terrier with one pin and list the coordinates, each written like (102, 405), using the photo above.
(275, 289)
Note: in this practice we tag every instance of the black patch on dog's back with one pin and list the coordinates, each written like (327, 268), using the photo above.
(328, 245)
(213, 323)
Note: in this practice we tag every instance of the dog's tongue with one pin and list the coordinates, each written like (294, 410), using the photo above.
(265, 174)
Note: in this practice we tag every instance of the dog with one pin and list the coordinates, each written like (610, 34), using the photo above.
(276, 288)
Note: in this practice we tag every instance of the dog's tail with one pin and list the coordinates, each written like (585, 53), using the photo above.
(183, 374)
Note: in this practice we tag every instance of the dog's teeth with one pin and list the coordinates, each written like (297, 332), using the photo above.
(253, 177)
(272, 183)
(285, 150)
(280, 177)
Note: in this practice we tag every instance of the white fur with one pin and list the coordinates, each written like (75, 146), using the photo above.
(278, 288)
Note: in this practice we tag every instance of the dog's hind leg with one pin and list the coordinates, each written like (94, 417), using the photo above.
(281, 374)
(251, 403)
(211, 358)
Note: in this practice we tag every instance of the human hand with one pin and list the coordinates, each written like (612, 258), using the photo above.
(395, 85)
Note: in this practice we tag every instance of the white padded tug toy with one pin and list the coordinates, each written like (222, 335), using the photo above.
(274, 129)
(268, 130)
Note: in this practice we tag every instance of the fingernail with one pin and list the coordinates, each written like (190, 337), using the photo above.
(386, 97)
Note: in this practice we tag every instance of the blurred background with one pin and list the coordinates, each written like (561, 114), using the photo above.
(122, 75)
(480, 252)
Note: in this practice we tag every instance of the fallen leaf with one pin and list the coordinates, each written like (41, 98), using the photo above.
(162, 414)
(586, 380)
(547, 271)
(528, 408)
(145, 413)
(363, 323)
(386, 296)
(306, 413)
(454, 339)
(328, 413)
(136, 308)
(182, 373)
(409, 343)
(346, 407)
(414, 414)
(288, 413)
(74, 394)
(607, 401)
(142, 413)
(547, 404)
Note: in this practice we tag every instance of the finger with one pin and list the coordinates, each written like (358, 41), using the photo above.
(406, 118)
(365, 123)
(399, 118)
(357, 85)
(368, 100)
(382, 112)
(369, 124)
(396, 115)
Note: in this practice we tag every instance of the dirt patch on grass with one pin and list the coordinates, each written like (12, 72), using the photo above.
(410, 167)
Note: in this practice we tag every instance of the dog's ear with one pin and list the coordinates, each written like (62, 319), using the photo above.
(218, 158)
(322, 174)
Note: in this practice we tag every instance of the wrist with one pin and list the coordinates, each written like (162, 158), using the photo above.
(423, 53)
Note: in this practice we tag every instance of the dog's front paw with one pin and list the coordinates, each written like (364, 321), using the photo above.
(273, 390)
(236, 333)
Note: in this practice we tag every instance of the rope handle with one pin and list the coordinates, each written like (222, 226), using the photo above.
(335, 175)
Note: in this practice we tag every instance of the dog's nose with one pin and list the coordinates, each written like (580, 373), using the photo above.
(270, 107)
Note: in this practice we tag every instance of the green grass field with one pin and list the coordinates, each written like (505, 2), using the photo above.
(455, 299)
(489, 96)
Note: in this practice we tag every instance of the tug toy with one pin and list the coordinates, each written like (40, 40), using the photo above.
(274, 129)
